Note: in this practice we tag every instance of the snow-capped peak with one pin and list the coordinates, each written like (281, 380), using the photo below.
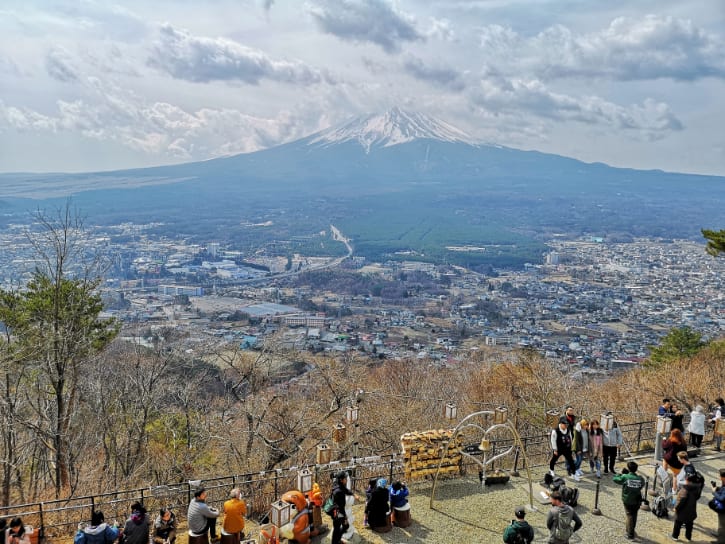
(391, 128)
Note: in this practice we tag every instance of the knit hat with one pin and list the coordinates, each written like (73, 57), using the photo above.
(520, 512)
(382, 482)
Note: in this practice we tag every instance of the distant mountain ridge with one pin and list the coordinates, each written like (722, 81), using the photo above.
(400, 185)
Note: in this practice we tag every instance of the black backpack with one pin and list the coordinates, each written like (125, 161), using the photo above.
(659, 506)
(518, 538)
(699, 482)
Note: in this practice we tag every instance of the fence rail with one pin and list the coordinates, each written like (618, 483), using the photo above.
(57, 518)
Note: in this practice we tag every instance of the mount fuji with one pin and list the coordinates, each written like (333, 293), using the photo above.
(398, 183)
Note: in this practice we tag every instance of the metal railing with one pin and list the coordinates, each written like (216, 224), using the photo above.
(60, 517)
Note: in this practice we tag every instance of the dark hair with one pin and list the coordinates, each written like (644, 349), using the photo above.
(97, 518)
(17, 523)
(555, 496)
(397, 486)
(632, 467)
(138, 507)
(719, 401)
(373, 482)
(199, 492)
(3, 524)
(665, 400)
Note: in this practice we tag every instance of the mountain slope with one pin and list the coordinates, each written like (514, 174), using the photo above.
(399, 183)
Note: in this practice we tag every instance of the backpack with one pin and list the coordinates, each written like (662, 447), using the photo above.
(562, 528)
(517, 538)
(329, 506)
(570, 495)
(659, 506)
(698, 481)
(716, 506)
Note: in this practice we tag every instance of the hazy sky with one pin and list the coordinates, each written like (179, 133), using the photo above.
(90, 84)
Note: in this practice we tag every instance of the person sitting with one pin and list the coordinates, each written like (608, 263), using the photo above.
(398, 495)
(378, 506)
(136, 530)
(165, 527)
(98, 532)
(15, 533)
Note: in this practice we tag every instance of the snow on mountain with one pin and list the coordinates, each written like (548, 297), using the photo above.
(391, 128)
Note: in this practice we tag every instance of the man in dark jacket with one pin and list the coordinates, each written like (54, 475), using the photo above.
(632, 484)
(519, 526)
(339, 520)
(686, 508)
(561, 446)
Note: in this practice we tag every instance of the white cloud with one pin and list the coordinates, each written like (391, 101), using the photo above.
(498, 94)
(650, 47)
(373, 21)
(202, 59)
(60, 66)
(440, 74)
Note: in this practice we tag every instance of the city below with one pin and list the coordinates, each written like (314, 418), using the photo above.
(592, 305)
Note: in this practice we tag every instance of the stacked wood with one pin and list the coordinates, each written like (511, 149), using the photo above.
(423, 450)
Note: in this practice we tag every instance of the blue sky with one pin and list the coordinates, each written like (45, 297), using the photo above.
(90, 85)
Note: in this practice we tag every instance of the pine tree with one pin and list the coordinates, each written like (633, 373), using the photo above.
(715, 241)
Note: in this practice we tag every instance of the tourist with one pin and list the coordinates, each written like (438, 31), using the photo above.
(687, 468)
(612, 440)
(577, 442)
(97, 532)
(561, 446)
(372, 484)
(519, 529)
(136, 530)
(719, 495)
(677, 419)
(379, 506)
(560, 519)
(632, 484)
(165, 527)
(398, 495)
(570, 417)
(685, 508)
(696, 427)
(339, 496)
(596, 437)
(201, 517)
(234, 511)
(719, 413)
(664, 410)
(15, 533)
(671, 446)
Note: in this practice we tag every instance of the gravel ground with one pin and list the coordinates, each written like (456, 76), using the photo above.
(464, 511)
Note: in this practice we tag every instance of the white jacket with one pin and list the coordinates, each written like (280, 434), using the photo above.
(697, 423)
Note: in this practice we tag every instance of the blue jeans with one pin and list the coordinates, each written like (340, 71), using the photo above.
(577, 461)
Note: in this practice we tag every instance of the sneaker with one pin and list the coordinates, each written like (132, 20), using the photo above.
(552, 473)
(674, 538)
(579, 472)
(599, 475)
(577, 478)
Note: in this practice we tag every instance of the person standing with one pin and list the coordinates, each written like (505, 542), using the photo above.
(632, 484)
(612, 440)
(577, 449)
(596, 436)
(560, 519)
(201, 516)
(136, 530)
(685, 508)
(719, 494)
(165, 527)
(234, 511)
(520, 527)
(671, 446)
(677, 419)
(340, 492)
(718, 414)
(561, 446)
(696, 427)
